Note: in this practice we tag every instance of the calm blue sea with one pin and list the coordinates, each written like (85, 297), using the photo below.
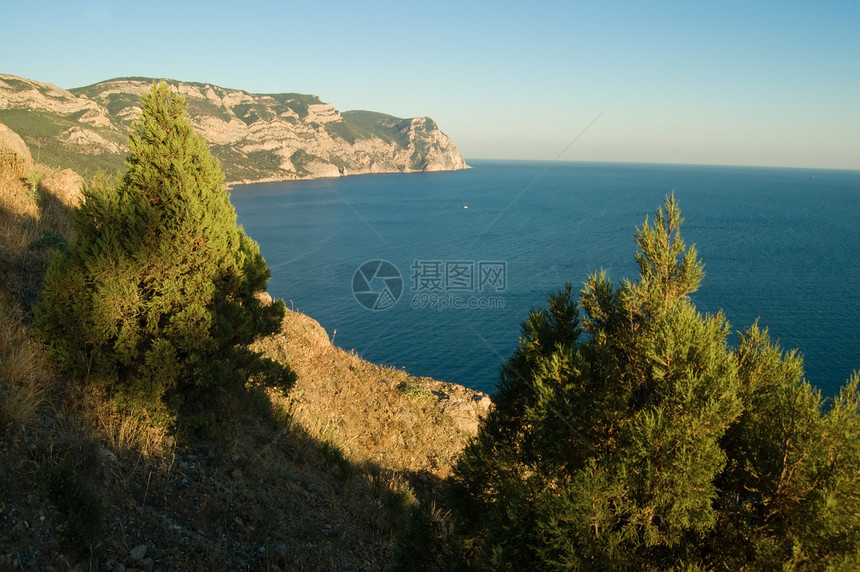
(462, 256)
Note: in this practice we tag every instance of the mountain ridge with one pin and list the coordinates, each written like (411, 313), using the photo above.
(257, 137)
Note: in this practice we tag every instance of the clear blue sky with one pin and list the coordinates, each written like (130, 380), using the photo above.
(751, 83)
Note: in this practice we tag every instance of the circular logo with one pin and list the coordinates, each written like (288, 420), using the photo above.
(377, 285)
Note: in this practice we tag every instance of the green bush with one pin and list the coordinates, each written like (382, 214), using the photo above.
(50, 239)
(34, 180)
(157, 296)
(639, 438)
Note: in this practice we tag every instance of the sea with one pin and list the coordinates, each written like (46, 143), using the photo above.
(434, 273)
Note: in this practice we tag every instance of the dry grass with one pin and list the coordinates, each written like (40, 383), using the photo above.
(25, 377)
(25, 380)
(19, 212)
(34, 206)
(12, 162)
(120, 432)
(374, 414)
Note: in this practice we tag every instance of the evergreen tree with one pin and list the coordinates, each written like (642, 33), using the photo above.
(157, 297)
(641, 439)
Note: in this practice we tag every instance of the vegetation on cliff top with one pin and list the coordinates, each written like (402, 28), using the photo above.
(638, 438)
(157, 297)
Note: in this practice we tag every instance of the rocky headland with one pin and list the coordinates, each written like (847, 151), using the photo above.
(257, 137)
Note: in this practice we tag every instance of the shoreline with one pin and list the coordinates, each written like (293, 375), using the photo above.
(229, 185)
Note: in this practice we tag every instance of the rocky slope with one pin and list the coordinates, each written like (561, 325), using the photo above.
(256, 137)
(324, 477)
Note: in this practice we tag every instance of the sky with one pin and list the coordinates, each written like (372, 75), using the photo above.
(738, 83)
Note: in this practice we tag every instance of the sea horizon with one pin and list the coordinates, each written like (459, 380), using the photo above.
(233, 185)
(608, 162)
(553, 221)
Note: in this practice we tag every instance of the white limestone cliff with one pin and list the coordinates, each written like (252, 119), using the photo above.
(256, 137)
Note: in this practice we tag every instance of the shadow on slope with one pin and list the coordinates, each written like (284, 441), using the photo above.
(323, 478)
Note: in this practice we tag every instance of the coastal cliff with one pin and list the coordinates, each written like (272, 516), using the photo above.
(257, 137)
(322, 477)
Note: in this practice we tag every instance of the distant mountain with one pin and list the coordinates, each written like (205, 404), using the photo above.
(256, 137)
